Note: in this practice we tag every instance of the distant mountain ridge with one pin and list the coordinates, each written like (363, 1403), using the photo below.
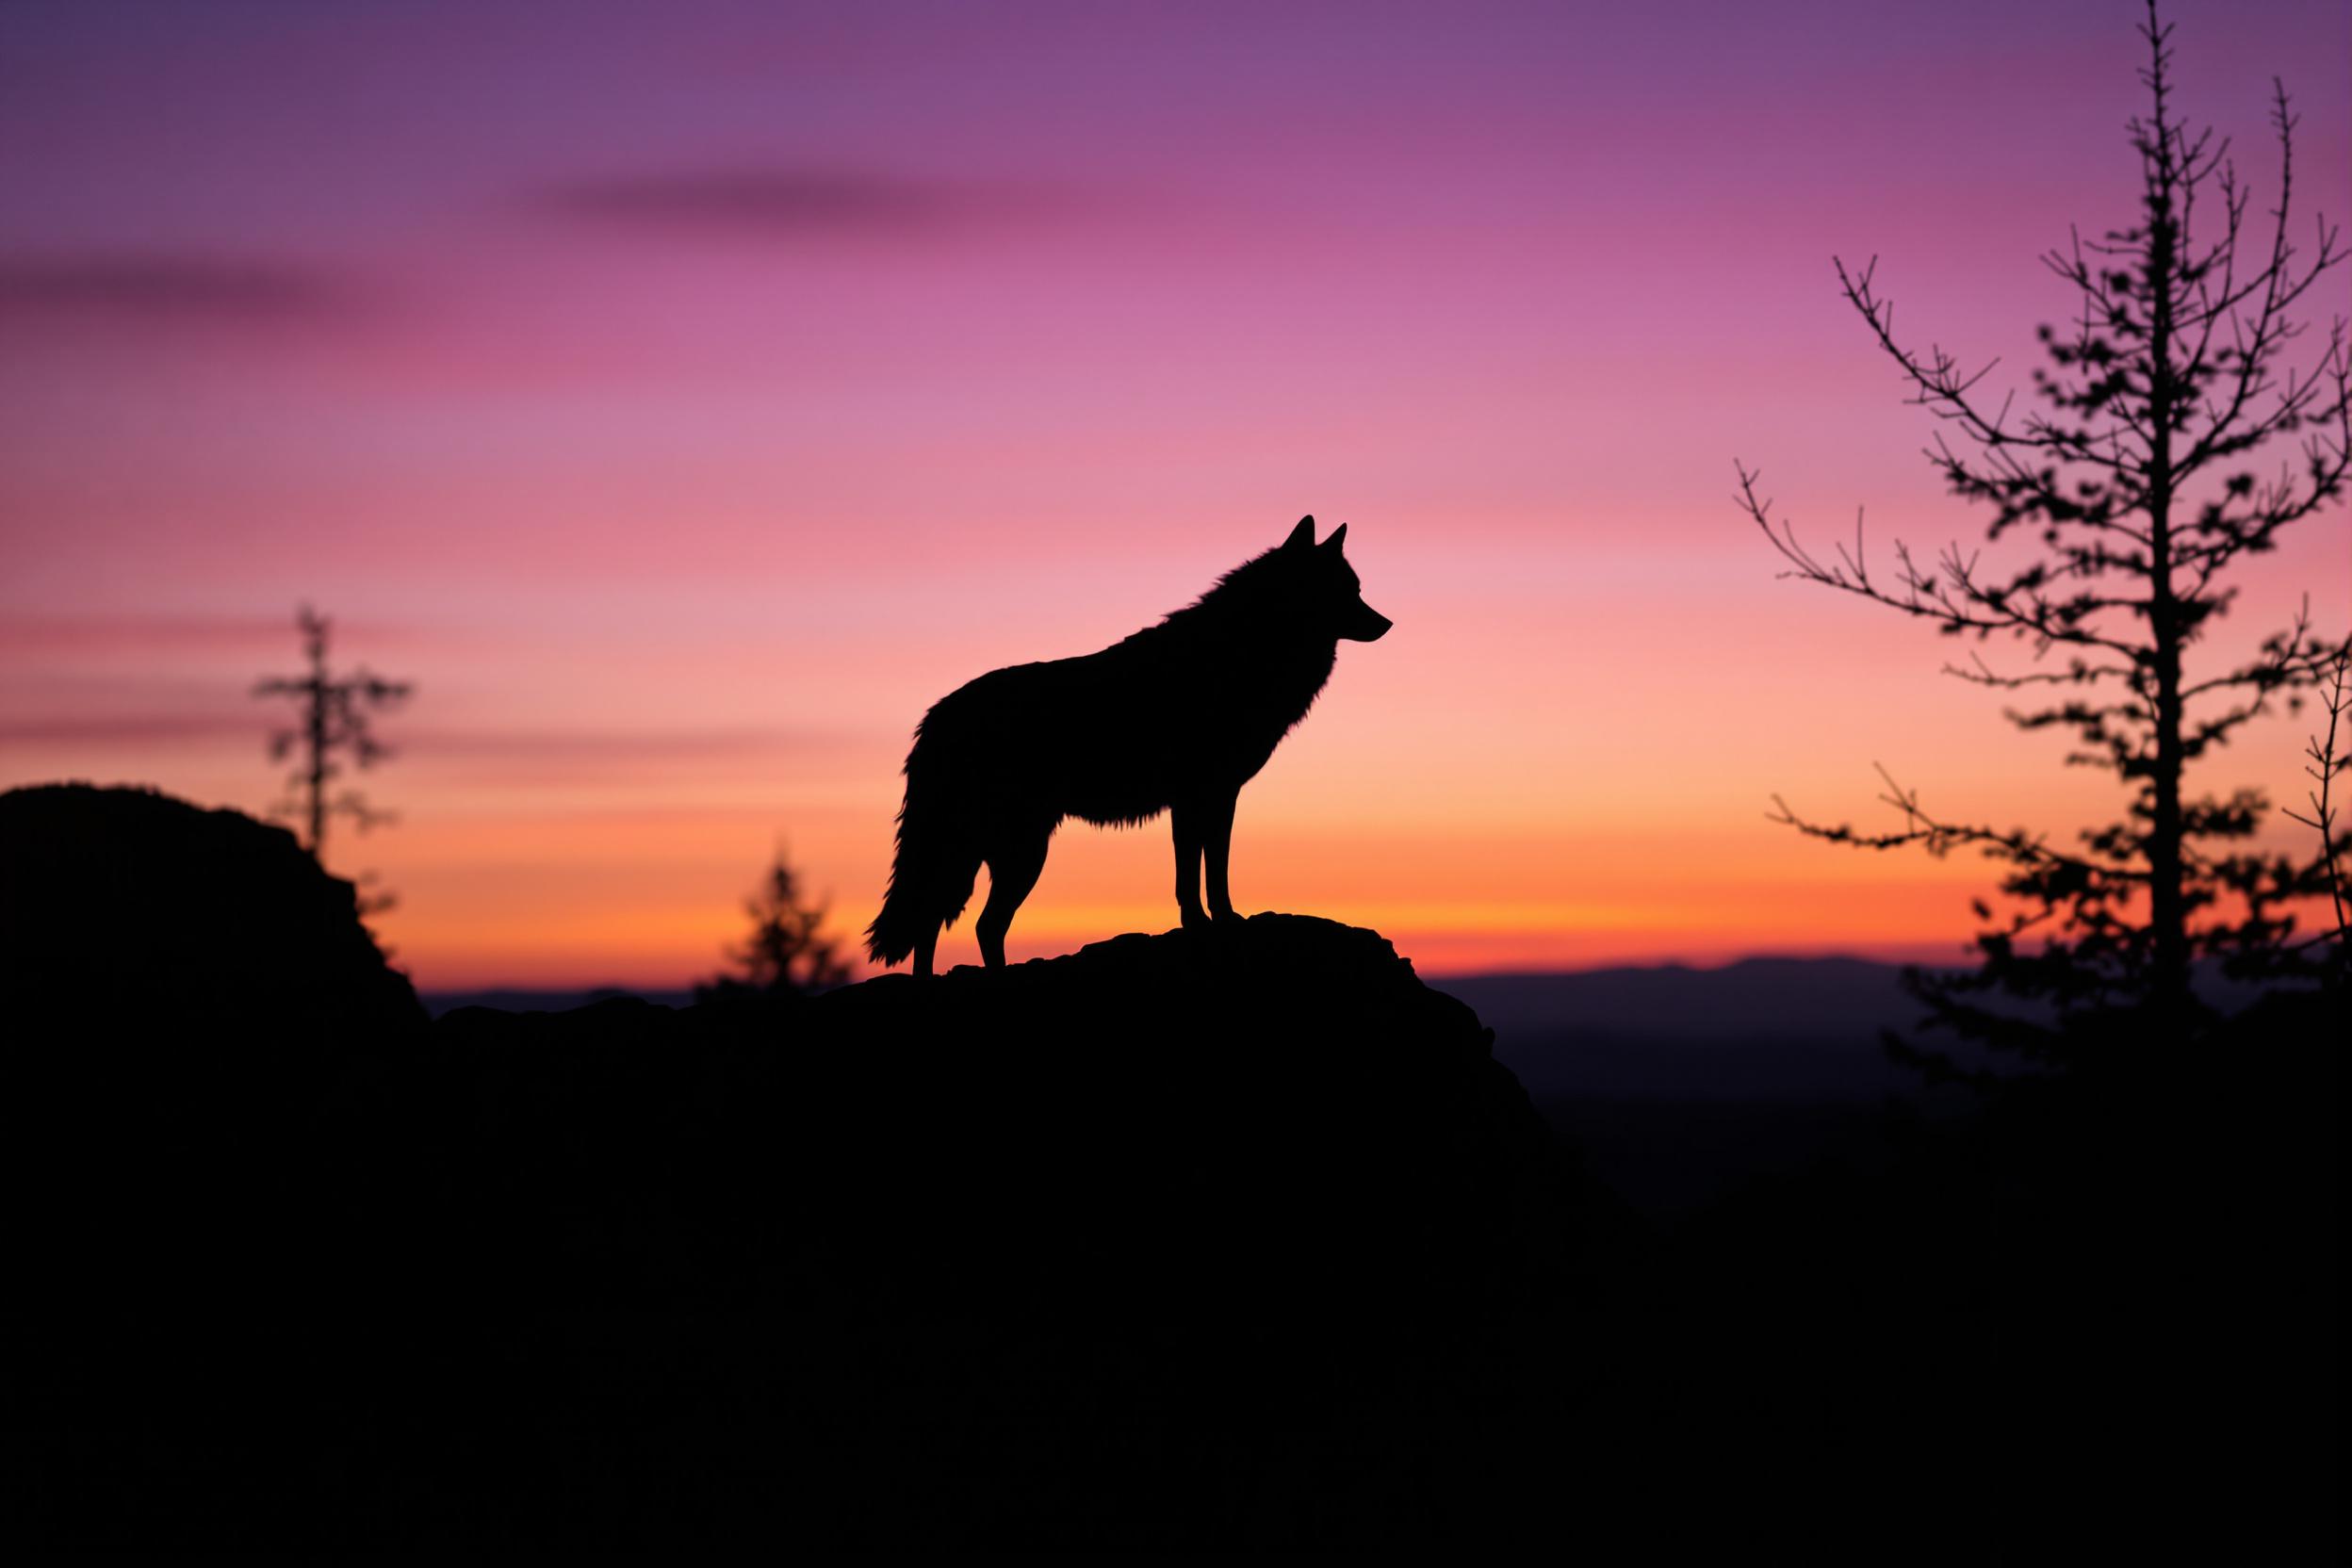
(1679, 1083)
(1766, 1028)
(1771, 995)
(1771, 1028)
(533, 999)
(1673, 997)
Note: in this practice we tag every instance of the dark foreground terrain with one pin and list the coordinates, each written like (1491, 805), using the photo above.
(1237, 1241)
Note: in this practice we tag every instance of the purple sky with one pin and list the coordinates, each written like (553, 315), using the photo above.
(686, 395)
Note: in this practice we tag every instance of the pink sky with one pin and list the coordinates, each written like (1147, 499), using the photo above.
(686, 397)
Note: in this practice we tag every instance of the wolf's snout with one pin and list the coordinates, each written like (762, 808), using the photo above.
(1370, 627)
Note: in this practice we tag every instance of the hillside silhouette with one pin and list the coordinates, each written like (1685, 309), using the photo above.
(1227, 1237)
(1235, 1239)
(150, 912)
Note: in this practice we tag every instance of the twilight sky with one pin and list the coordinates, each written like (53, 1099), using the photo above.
(686, 395)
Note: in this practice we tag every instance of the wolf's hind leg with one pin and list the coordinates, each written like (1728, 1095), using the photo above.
(1216, 846)
(1185, 818)
(1013, 868)
(949, 896)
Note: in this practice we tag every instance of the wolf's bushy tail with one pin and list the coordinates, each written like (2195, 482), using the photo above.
(932, 873)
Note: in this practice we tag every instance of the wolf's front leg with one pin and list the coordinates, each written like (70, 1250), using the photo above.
(1216, 845)
(1187, 823)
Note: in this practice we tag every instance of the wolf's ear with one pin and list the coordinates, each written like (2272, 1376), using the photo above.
(1302, 537)
(1337, 535)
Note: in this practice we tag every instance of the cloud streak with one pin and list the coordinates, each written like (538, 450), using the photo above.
(588, 750)
(588, 747)
(797, 201)
(159, 730)
(155, 287)
(43, 636)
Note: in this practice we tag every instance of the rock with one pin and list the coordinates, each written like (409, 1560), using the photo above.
(1240, 1238)
(1208, 1241)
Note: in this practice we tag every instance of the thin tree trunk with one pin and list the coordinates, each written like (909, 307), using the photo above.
(318, 763)
(2167, 915)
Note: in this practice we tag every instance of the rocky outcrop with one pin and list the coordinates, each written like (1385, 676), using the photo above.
(1235, 1239)
(127, 912)
(1239, 1238)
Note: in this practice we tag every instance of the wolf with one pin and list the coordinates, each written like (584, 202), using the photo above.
(1176, 718)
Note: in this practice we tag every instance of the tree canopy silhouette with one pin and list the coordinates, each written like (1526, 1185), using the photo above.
(2133, 472)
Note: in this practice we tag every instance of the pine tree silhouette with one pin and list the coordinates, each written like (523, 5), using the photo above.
(2135, 473)
(787, 949)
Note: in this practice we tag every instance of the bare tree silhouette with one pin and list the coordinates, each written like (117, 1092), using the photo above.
(787, 949)
(2325, 764)
(334, 721)
(2135, 472)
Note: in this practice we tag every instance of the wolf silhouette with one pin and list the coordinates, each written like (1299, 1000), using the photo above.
(1176, 718)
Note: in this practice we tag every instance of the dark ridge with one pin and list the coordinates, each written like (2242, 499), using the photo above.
(1213, 1240)
(1224, 1240)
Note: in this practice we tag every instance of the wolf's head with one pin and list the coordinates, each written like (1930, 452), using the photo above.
(1325, 588)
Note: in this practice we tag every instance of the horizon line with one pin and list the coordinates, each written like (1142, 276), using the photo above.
(1892, 958)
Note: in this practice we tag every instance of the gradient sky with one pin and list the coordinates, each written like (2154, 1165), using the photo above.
(686, 395)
